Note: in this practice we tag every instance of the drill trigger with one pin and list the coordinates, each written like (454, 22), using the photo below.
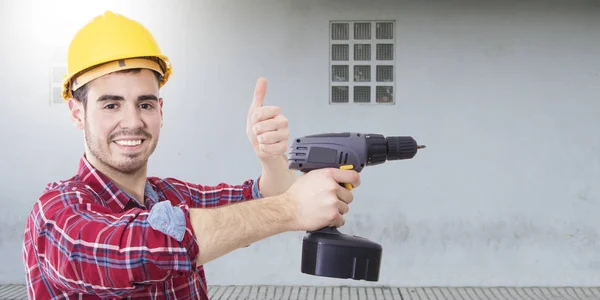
(347, 167)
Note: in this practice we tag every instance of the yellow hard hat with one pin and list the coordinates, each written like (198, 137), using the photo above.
(108, 43)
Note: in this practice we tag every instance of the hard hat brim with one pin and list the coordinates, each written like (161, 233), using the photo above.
(75, 81)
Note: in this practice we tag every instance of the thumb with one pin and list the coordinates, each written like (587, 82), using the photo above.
(259, 92)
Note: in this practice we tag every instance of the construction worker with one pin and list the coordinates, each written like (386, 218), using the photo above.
(112, 232)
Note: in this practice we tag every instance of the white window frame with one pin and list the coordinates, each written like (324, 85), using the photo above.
(373, 62)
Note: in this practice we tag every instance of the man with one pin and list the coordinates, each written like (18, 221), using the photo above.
(112, 232)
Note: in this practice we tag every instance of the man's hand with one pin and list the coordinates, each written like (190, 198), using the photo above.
(268, 132)
(266, 127)
(319, 200)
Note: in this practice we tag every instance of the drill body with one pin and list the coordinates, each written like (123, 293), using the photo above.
(328, 252)
(358, 150)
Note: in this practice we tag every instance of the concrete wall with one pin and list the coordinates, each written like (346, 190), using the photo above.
(504, 94)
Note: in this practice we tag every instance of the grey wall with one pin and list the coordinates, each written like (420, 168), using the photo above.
(505, 96)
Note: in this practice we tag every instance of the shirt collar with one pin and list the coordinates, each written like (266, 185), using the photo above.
(115, 198)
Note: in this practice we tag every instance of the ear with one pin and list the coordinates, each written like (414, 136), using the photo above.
(77, 115)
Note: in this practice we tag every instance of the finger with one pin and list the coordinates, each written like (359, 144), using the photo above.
(265, 113)
(273, 137)
(344, 195)
(346, 176)
(339, 221)
(277, 123)
(343, 207)
(260, 91)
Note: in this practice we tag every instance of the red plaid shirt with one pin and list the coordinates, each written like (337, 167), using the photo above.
(86, 238)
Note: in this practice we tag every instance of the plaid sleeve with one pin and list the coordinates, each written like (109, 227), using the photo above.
(199, 196)
(84, 247)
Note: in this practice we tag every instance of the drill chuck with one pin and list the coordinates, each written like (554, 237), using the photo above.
(381, 148)
(402, 147)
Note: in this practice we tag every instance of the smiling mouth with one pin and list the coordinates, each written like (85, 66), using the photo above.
(129, 143)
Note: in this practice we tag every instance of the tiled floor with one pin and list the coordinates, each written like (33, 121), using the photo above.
(12, 292)
(363, 293)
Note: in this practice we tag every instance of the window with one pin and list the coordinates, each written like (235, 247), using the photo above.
(361, 62)
(56, 75)
(57, 70)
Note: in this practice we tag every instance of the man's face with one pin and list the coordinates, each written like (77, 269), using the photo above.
(122, 120)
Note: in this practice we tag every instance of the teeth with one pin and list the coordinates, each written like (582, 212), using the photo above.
(129, 142)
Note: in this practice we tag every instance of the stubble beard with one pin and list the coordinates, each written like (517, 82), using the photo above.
(124, 163)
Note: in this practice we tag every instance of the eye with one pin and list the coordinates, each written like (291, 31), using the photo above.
(146, 106)
(110, 106)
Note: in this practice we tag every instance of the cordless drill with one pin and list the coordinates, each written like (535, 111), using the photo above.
(328, 252)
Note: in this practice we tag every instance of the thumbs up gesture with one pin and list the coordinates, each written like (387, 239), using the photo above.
(266, 126)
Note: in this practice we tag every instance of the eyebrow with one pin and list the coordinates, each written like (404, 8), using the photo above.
(108, 97)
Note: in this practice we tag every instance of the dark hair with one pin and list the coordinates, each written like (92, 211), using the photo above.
(81, 93)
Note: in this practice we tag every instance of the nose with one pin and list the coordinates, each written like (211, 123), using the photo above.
(131, 118)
